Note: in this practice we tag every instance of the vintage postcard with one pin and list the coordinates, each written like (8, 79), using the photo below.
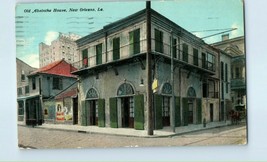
(131, 74)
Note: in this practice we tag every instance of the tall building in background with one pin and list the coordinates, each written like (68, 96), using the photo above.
(64, 47)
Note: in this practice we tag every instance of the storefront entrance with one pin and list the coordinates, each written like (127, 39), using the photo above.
(93, 112)
(127, 112)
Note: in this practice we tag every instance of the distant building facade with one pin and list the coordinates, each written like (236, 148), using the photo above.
(45, 84)
(235, 48)
(23, 89)
(63, 47)
(112, 70)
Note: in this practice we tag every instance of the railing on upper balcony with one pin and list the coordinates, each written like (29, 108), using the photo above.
(238, 82)
(125, 51)
(186, 57)
(129, 50)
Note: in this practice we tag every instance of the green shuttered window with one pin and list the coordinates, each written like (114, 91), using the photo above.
(139, 112)
(101, 112)
(113, 113)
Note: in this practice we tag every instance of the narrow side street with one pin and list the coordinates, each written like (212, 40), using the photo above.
(44, 138)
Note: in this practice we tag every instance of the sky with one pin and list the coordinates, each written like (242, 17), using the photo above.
(196, 16)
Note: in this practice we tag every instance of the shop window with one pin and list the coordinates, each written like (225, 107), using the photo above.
(166, 106)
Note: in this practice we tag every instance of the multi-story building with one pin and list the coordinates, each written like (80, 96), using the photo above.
(235, 48)
(225, 88)
(23, 89)
(45, 84)
(112, 72)
(63, 47)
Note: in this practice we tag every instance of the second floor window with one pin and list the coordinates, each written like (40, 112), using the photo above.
(222, 71)
(33, 83)
(116, 48)
(185, 52)
(158, 41)
(19, 91)
(174, 48)
(57, 84)
(226, 72)
(211, 62)
(99, 54)
(22, 75)
(135, 41)
(237, 74)
(85, 57)
(195, 54)
(27, 90)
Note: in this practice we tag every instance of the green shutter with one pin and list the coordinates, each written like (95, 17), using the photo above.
(158, 111)
(199, 110)
(84, 113)
(139, 112)
(113, 113)
(177, 112)
(131, 41)
(116, 48)
(101, 112)
(99, 54)
(137, 41)
(185, 111)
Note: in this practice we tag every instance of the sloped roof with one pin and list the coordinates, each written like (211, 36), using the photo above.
(61, 68)
(70, 93)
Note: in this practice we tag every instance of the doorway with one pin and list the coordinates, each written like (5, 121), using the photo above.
(93, 112)
(190, 113)
(127, 112)
(166, 111)
(75, 110)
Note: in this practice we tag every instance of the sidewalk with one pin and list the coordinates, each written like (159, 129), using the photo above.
(165, 132)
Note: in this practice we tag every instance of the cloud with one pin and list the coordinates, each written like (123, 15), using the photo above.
(31, 59)
(50, 36)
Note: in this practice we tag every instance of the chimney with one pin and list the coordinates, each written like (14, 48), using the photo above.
(225, 37)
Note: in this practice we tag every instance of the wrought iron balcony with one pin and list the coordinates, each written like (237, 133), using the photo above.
(239, 83)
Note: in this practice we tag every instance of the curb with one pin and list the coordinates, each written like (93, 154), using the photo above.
(128, 135)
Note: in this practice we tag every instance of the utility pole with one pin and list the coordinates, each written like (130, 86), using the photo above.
(172, 83)
(149, 70)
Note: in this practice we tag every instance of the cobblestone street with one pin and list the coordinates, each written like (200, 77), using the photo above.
(45, 138)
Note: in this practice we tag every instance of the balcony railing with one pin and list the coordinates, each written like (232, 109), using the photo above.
(238, 83)
(127, 51)
(187, 58)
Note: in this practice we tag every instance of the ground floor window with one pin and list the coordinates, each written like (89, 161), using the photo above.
(20, 108)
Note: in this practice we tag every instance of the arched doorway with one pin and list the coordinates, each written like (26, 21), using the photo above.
(92, 113)
(125, 95)
(191, 94)
(166, 102)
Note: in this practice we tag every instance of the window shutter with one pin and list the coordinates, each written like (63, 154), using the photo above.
(99, 54)
(113, 113)
(139, 112)
(101, 112)
(137, 41)
(177, 112)
(199, 110)
(131, 41)
(116, 48)
(185, 111)
(84, 113)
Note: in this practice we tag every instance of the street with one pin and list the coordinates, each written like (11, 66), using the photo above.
(43, 138)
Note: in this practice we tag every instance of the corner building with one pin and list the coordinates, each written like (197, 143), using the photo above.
(112, 71)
